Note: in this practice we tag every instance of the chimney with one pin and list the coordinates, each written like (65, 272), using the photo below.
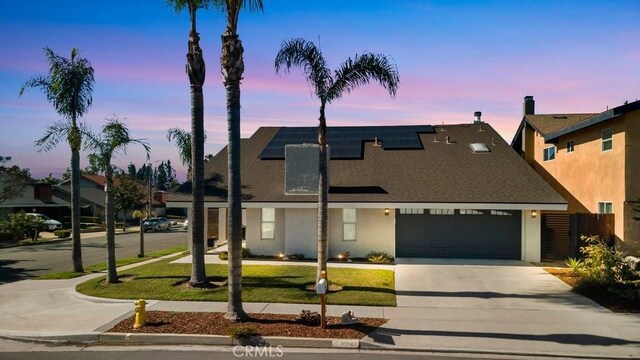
(42, 192)
(529, 106)
(477, 117)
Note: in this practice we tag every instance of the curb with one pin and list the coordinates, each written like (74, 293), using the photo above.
(220, 340)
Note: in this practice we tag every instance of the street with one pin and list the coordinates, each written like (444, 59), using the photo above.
(23, 262)
(14, 350)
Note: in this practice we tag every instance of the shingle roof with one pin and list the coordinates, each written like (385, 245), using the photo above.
(441, 172)
(548, 123)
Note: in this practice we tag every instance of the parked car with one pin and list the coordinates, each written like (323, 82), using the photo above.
(47, 224)
(156, 224)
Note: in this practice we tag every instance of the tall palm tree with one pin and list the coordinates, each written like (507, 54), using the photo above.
(68, 86)
(113, 139)
(183, 143)
(329, 87)
(232, 68)
(196, 71)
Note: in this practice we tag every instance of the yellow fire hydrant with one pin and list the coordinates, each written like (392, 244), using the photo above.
(141, 314)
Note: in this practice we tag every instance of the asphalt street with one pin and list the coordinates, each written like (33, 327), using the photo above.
(23, 262)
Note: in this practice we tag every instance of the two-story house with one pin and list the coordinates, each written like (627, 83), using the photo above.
(593, 160)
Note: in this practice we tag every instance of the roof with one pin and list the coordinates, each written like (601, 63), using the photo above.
(27, 199)
(438, 173)
(548, 123)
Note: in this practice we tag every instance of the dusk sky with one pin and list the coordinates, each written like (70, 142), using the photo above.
(454, 58)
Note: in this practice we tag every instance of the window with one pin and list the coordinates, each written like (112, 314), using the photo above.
(441, 211)
(349, 224)
(412, 211)
(470, 212)
(500, 213)
(549, 153)
(570, 146)
(605, 207)
(268, 223)
(607, 139)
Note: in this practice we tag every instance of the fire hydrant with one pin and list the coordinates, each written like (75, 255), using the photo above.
(141, 314)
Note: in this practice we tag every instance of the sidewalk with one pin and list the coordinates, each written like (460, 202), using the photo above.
(53, 310)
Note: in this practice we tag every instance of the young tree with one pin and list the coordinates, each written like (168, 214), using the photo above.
(114, 138)
(196, 72)
(328, 88)
(232, 69)
(68, 86)
(127, 195)
(131, 170)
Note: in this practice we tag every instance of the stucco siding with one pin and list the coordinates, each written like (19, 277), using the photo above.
(374, 231)
(300, 232)
(255, 243)
(531, 237)
(631, 238)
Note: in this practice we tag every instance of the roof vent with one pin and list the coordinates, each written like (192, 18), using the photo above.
(376, 141)
(477, 117)
(479, 148)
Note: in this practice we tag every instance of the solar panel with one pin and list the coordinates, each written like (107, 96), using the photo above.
(346, 142)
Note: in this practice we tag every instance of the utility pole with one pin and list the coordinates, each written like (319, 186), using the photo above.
(150, 172)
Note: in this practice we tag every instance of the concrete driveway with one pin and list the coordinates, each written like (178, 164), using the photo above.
(506, 307)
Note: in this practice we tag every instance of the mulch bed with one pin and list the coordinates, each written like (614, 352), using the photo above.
(606, 299)
(212, 323)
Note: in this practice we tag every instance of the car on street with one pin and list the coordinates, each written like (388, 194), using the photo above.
(46, 223)
(157, 224)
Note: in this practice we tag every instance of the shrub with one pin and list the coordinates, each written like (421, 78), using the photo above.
(223, 255)
(344, 256)
(309, 317)
(6, 236)
(89, 219)
(296, 257)
(19, 225)
(241, 331)
(62, 234)
(246, 253)
(574, 264)
(379, 257)
(603, 263)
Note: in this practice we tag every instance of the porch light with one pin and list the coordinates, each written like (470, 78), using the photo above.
(534, 214)
(281, 256)
(340, 256)
(386, 211)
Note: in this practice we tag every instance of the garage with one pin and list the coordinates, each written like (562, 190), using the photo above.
(449, 233)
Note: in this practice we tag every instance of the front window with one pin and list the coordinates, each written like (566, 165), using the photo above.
(411, 211)
(607, 139)
(442, 211)
(570, 146)
(268, 223)
(605, 207)
(349, 224)
(470, 212)
(549, 153)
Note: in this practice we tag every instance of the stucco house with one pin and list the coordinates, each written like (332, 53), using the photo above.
(591, 159)
(454, 191)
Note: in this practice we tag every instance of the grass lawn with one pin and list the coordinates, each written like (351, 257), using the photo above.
(119, 262)
(260, 283)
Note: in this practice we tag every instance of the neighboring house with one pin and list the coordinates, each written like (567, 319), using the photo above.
(412, 191)
(593, 160)
(39, 198)
(92, 195)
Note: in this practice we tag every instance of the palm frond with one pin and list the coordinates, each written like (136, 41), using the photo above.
(112, 140)
(305, 55)
(360, 71)
(182, 139)
(53, 135)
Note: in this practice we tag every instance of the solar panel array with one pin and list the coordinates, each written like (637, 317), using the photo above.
(347, 142)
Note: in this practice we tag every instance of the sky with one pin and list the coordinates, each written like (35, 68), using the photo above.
(453, 57)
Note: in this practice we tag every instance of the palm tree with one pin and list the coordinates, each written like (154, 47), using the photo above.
(183, 143)
(329, 87)
(68, 86)
(196, 71)
(113, 139)
(232, 68)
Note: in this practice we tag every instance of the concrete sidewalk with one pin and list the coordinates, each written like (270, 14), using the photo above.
(432, 315)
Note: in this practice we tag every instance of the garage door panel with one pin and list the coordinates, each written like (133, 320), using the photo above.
(458, 236)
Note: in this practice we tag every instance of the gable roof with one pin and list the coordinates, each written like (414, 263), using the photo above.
(439, 173)
(548, 123)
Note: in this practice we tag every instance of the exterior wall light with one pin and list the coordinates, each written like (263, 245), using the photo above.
(534, 214)
(386, 211)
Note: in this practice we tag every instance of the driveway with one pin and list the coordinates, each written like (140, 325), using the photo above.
(507, 307)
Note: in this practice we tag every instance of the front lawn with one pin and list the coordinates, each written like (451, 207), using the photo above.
(260, 283)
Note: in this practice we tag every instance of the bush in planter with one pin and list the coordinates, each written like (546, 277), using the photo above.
(603, 263)
(379, 257)
(62, 234)
(223, 255)
(19, 225)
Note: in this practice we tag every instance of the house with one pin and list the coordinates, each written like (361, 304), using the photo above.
(591, 159)
(454, 191)
(39, 198)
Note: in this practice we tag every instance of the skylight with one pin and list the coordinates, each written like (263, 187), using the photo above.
(479, 148)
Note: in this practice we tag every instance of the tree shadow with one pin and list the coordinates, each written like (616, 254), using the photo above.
(10, 273)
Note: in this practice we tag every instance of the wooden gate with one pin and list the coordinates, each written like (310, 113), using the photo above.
(561, 233)
(591, 224)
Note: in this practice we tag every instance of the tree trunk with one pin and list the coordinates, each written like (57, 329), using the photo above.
(112, 275)
(323, 195)
(232, 69)
(196, 71)
(76, 245)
